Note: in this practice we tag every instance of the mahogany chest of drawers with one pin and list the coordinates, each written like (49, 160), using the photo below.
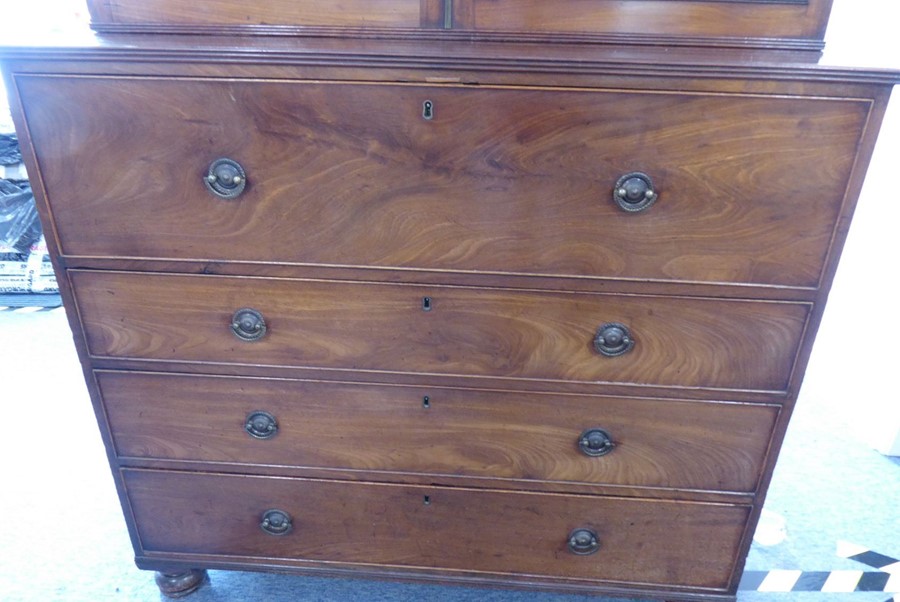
(466, 292)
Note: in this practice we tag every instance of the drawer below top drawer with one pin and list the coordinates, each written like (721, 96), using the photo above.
(498, 180)
(438, 431)
(453, 331)
(481, 532)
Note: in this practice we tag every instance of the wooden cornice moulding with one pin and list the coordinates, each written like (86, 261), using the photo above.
(441, 55)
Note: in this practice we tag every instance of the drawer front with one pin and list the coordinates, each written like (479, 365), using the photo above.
(438, 431)
(498, 180)
(466, 332)
(478, 531)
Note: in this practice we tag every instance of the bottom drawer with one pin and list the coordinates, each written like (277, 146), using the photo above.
(474, 531)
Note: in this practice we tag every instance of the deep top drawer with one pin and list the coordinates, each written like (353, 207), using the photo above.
(501, 180)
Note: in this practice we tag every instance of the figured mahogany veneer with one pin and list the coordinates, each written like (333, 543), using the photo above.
(477, 333)
(766, 23)
(728, 19)
(347, 13)
(501, 180)
(465, 531)
(358, 287)
(437, 430)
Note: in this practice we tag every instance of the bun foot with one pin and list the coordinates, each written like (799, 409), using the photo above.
(178, 585)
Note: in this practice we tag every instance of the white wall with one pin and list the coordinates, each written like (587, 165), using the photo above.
(858, 347)
(53, 14)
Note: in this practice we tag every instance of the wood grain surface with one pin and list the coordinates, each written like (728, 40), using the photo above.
(647, 17)
(369, 13)
(475, 531)
(501, 180)
(471, 332)
(491, 434)
(684, 18)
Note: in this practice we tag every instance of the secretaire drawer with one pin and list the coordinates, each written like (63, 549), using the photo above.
(458, 331)
(502, 180)
(437, 431)
(463, 530)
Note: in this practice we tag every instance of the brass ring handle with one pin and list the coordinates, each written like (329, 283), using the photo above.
(247, 324)
(613, 339)
(583, 542)
(634, 192)
(595, 442)
(225, 179)
(276, 522)
(261, 425)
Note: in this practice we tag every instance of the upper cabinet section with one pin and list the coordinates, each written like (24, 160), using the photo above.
(785, 24)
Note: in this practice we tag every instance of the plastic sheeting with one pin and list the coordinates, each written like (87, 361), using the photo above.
(9, 150)
(20, 227)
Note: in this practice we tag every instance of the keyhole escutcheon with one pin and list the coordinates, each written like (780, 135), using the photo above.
(428, 110)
